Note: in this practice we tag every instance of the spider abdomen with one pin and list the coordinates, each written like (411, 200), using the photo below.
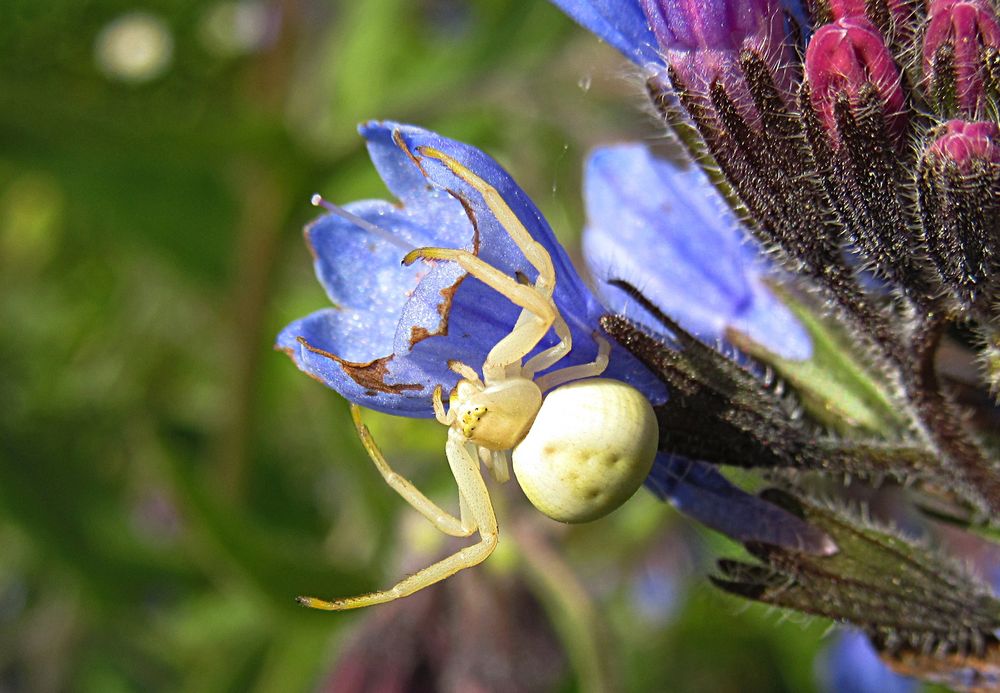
(589, 449)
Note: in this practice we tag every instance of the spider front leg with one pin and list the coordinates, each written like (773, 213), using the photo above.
(441, 519)
(552, 380)
(472, 489)
(533, 250)
(538, 316)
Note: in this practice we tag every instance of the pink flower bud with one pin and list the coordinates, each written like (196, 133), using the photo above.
(847, 9)
(965, 142)
(901, 11)
(844, 57)
(899, 26)
(968, 26)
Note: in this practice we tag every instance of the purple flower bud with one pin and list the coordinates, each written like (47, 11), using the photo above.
(966, 143)
(713, 24)
(966, 27)
(702, 41)
(842, 59)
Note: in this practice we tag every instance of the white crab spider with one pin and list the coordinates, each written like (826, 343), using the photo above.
(582, 445)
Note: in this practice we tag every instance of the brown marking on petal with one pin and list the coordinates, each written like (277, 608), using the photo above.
(369, 375)
(466, 205)
(418, 334)
(471, 213)
(290, 353)
(398, 139)
(448, 295)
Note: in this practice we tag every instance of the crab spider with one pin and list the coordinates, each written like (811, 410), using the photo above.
(580, 445)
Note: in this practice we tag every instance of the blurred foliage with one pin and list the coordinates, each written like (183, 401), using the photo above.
(168, 483)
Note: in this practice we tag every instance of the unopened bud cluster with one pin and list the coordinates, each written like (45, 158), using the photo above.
(882, 138)
(864, 151)
(703, 42)
(959, 54)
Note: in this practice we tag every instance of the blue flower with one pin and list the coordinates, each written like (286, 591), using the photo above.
(666, 230)
(388, 340)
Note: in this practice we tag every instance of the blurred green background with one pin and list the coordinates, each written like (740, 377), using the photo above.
(168, 482)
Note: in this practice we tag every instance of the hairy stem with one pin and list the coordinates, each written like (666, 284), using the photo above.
(943, 422)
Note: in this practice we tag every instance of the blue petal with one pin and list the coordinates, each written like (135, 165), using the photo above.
(698, 490)
(388, 341)
(851, 665)
(331, 346)
(665, 230)
(339, 248)
(622, 23)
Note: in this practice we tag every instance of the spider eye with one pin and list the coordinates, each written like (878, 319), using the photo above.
(590, 448)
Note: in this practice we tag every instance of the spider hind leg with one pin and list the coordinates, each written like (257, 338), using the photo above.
(464, 463)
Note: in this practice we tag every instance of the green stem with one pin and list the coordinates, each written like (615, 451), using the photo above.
(576, 618)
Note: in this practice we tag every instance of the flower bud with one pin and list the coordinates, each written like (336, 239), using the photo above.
(967, 144)
(843, 59)
(958, 31)
(702, 41)
(959, 176)
(847, 9)
(897, 14)
(711, 24)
